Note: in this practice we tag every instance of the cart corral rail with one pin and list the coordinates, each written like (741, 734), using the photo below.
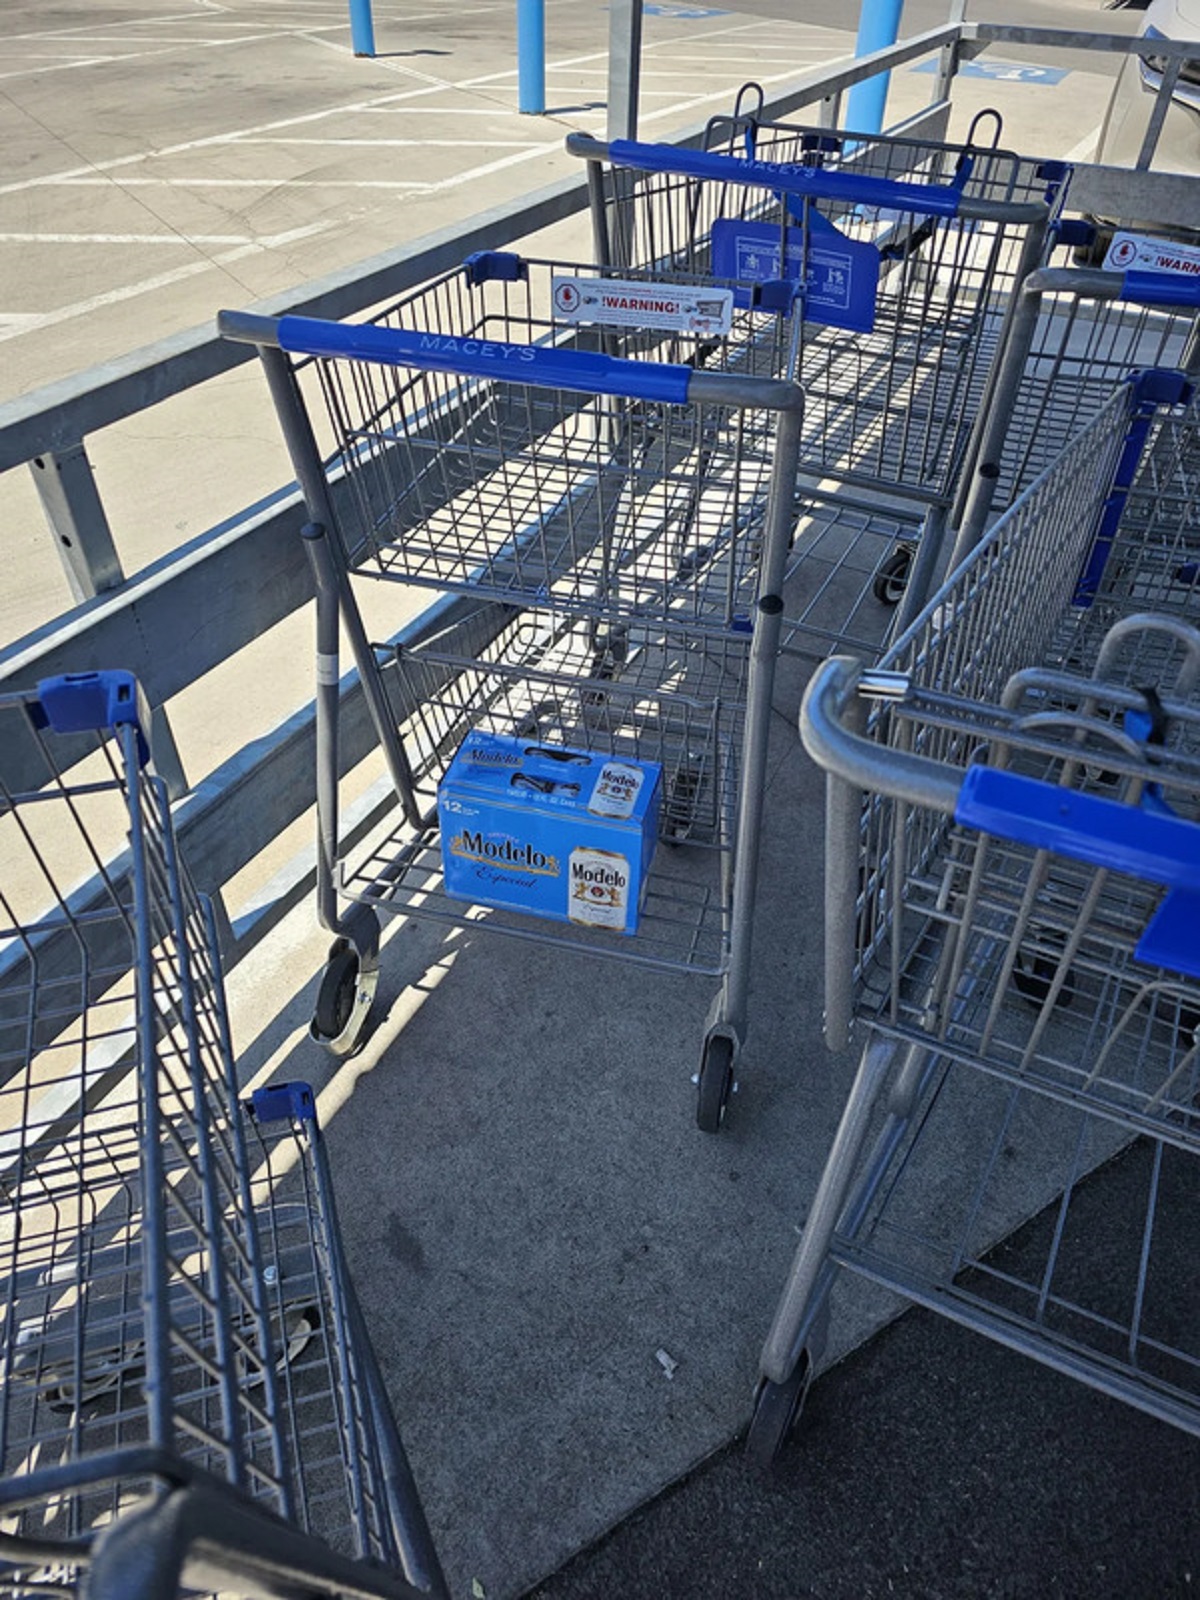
(250, 572)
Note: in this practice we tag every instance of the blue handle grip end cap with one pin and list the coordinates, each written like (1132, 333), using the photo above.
(284, 1102)
(79, 702)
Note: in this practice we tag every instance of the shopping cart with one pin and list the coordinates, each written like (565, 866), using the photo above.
(1010, 935)
(189, 1397)
(1075, 333)
(612, 529)
(902, 262)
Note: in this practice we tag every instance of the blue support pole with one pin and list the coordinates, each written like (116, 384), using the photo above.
(362, 28)
(878, 26)
(531, 56)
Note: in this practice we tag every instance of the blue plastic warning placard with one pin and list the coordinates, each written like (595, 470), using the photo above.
(840, 275)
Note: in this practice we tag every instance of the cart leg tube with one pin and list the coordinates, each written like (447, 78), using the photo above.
(843, 855)
(985, 471)
(313, 535)
(306, 461)
(779, 1351)
(600, 239)
(732, 1005)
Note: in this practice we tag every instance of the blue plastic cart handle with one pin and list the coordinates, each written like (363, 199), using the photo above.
(1161, 289)
(815, 183)
(583, 370)
(1085, 827)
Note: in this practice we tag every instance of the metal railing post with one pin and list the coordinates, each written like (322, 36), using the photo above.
(71, 500)
(624, 67)
(70, 497)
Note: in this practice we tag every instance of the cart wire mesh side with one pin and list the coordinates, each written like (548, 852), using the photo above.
(1075, 333)
(150, 1288)
(894, 276)
(1011, 848)
(902, 280)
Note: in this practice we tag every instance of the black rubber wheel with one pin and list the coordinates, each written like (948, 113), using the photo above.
(890, 582)
(680, 809)
(777, 1408)
(715, 1084)
(301, 1324)
(335, 999)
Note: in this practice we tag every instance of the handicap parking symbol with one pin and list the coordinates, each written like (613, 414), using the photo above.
(682, 13)
(1003, 71)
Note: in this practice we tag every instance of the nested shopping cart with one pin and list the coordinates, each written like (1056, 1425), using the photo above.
(604, 502)
(906, 255)
(1074, 334)
(1012, 869)
(892, 266)
(189, 1397)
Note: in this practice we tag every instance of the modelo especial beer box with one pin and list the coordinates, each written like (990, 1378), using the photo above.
(550, 830)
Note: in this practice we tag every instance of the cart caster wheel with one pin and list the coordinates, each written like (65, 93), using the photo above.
(777, 1408)
(344, 1000)
(714, 1084)
(891, 580)
(680, 809)
(1033, 976)
(301, 1325)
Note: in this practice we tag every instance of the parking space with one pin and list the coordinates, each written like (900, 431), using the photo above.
(164, 161)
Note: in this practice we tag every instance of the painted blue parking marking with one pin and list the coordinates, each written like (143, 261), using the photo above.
(1003, 71)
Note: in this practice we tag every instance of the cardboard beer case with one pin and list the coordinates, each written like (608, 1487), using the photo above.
(553, 831)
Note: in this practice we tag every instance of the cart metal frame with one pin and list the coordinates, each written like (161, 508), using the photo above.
(1075, 333)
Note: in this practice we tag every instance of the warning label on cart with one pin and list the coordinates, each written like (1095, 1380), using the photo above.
(1151, 255)
(840, 276)
(629, 304)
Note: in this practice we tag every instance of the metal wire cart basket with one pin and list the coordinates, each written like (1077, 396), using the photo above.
(892, 264)
(1011, 849)
(189, 1396)
(607, 510)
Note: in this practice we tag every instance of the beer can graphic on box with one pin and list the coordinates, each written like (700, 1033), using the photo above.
(599, 888)
(549, 830)
(617, 789)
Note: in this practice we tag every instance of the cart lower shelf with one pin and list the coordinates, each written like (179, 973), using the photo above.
(682, 927)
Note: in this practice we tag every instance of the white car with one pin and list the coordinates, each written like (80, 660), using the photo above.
(1128, 114)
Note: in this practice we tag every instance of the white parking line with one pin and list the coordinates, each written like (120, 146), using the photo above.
(210, 141)
(269, 242)
(12, 326)
(432, 186)
(166, 48)
(132, 22)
